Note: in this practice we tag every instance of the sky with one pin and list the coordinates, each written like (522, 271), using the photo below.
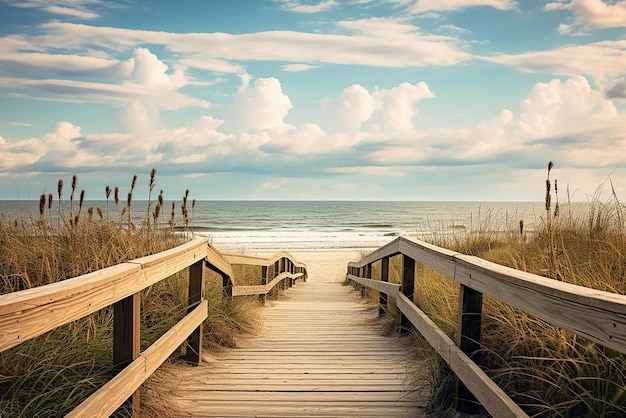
(460, 100)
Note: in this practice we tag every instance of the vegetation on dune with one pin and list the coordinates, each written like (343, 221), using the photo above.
(51, 374)
(546, 370)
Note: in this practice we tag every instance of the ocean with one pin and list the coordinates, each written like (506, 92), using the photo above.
(246, 226)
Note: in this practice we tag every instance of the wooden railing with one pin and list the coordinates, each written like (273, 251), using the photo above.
(593, 314)
(29, 313)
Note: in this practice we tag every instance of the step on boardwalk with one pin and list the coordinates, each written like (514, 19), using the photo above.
(318, 353)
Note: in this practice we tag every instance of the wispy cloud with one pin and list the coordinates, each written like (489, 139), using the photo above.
(593, 14)
(372, 42)
(424, 6)
(72, 8)
(299, 6)
(296, 68)
(604, 61)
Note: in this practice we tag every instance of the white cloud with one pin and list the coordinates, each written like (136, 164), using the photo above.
(354, 106)
(423, 6)
(384, 110)
(260, 106)
(296, 68)
(558, 107)
(308, 140)
(373, 42)
(298, 6)
(67, 11)
(603, 60)
(19, 154)
(150, 72)
(73, 8)
(396, 110)
(594, 14)
(212, 64)
(564, 29)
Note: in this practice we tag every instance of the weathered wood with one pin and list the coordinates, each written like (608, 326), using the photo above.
(383, 287)
(468, 340)
(219, 264)
(597, 315)
(594, 314)
(408, 288)
(490, 395)
(317, 353)
(108, 398)
(260, 261)
(264, 288)
(384, 278)
(126, 339)
(195, 297)
(27, 314)
(30, 313)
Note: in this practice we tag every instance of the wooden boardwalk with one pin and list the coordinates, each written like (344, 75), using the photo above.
(318, 353)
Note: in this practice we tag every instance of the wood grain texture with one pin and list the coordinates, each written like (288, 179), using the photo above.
(30, 313)
(110, 396)
(260, 261)
(594, 314)
(491, 397)
(318, 353)
(385, 287)
(263, 289)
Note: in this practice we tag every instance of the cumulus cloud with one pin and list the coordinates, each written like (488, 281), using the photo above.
(560, 107)
(150, 72)
(18, 154)
(384, 110)
(594, 14)
(260, 106)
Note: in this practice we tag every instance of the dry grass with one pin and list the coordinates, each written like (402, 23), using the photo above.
(50, 375)
(546, 370)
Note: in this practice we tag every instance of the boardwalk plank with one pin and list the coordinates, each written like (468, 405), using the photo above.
(319, 353)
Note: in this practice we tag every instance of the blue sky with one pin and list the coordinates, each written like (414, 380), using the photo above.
(313, 99)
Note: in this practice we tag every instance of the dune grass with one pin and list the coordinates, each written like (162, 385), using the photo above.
(50, 375)
(546, 370)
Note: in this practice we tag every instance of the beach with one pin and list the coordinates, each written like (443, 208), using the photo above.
(324, 266)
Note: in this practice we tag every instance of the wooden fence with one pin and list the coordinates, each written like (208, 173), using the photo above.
(29, 313)
(593, 314)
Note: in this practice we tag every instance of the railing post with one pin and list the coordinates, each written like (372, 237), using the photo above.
(195, 296)
(264, 271)
(126, 338)
(227, 286)
(384, 277)
(368, 275)
(408, 288)
(468, 340)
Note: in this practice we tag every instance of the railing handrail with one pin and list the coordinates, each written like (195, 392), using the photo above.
(252, 260)
(29, 313)
(594, 314)
(62, 302)
(551, 300)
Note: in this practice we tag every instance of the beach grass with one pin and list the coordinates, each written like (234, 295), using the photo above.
(50, 375)
(548, 371)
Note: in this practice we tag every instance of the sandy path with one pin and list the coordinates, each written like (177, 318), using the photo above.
(324, 266)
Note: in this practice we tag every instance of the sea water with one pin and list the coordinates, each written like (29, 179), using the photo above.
(306, 225)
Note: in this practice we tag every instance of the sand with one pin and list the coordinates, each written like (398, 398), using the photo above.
(324, 266)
